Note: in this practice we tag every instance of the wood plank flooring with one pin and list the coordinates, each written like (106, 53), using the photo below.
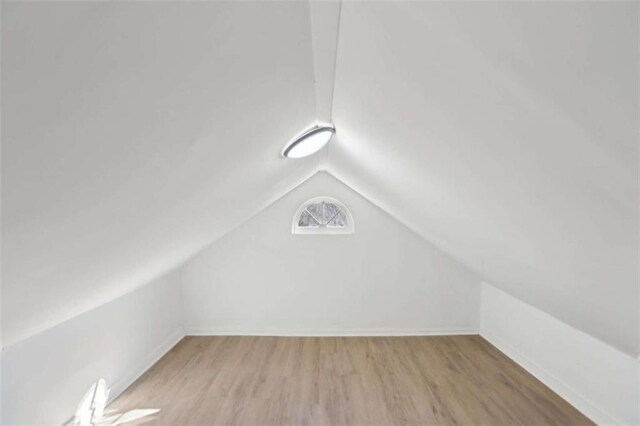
(461, 380)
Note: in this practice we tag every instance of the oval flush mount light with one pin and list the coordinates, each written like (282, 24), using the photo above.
(309, 142)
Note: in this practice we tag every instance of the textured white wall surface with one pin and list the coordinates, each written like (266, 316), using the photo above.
(46, 375)
(382, 279)
(598, 379)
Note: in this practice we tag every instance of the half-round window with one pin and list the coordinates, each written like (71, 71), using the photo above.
(323, 215)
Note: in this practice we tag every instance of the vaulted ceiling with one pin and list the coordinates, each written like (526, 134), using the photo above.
(134, 134)
(506, 133)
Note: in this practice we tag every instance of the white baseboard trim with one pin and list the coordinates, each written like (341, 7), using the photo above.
(135, 372)
(567, 393)
(329, 332)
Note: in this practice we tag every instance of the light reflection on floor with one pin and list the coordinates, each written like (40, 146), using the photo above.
(92, 410)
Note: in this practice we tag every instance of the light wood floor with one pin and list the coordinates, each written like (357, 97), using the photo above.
(343, 381)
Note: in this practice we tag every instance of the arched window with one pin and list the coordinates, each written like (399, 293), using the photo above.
(323, 215)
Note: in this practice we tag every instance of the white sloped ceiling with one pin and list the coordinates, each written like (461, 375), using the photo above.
(505, 133)
(134, 133)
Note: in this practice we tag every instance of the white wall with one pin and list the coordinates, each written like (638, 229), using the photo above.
(46, 375)
(596, 378)
(384, 279)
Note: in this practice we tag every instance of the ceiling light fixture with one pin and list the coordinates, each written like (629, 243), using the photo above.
(309, 142)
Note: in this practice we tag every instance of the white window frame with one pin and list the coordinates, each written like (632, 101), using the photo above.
(322, 230)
